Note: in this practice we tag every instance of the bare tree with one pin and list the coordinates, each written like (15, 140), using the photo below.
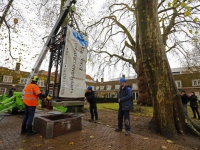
(117, 28)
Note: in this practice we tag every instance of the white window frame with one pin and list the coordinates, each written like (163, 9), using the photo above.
(196, 82)
(178, 83)
(2, 90)
(101, 87)
(117, 87)
(134, 86)
(7, 79)
(108, 87)
(40, 83)
(97, 87)
(23, 80)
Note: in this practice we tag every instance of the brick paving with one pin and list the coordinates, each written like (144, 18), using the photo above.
(93, 136)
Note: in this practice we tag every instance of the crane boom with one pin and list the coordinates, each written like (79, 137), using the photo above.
(55, 29)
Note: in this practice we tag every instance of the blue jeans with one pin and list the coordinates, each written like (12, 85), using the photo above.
(29, 115)
(185, 107)
(126, 115)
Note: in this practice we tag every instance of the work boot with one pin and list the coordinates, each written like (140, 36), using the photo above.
(23, 129)
(118, 130)
(30, 131)
(127, 133)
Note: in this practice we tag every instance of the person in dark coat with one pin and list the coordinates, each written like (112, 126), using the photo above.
(125, 105)
(11, 91)
(90, 97)
(194, 104)
(184, 99)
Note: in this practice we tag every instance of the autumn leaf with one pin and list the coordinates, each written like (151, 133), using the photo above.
(169, 4)
(195, 19)
(190, 31)
(145, 138)
(24, 141)
(20, 149)
(91, 136)
(71, 143)
(169, 141)
(196, 32)
(164, 147)
(183, 4)
(186, 121)
(187, 13)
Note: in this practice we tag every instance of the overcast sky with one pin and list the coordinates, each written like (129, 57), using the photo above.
(35, 43)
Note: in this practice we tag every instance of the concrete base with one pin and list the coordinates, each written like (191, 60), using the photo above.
(57, 124)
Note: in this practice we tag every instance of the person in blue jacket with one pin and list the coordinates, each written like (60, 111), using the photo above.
(125, 105)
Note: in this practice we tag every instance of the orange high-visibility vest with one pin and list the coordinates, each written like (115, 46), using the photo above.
(30, 95)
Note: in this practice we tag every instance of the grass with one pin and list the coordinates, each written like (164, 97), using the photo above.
(138, 110)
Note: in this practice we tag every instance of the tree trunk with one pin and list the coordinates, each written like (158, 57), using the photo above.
(169, 117)
(144, 98)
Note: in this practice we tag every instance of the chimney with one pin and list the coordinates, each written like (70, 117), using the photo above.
(17, 67)
(123, 76)
(101, 80)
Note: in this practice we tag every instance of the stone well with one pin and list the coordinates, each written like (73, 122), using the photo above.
(57, 124)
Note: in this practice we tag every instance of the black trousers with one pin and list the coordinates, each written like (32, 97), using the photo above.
(124, 114)
(93, 111)
(194, 110)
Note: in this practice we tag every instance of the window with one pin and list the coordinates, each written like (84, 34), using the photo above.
(2, 90)
(51, 82)
(108, 87)
(134, 86)
(117, 87)
(196, 82)
(101, 87)
(178, 83)
(40, 83)
(23, 80)
(7, 78)
(97, 87)
(135, 95)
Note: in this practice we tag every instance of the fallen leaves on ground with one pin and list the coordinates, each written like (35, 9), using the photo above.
(20, 149)
(145, 138)
(0, 141)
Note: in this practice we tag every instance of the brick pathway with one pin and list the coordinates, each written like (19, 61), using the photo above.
(93, 136)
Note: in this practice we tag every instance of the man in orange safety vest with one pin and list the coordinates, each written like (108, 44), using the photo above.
(30, 99)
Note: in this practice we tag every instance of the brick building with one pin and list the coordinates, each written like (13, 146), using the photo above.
(185, 79)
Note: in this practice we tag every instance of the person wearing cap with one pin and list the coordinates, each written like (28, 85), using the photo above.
(125, 105)
(90, 97)
(30, 98)
(11, 91)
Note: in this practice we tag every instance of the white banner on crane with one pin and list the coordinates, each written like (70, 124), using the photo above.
(74, 65)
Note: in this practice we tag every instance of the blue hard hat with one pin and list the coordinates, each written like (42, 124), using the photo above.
(89, 88)
(122, 80)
